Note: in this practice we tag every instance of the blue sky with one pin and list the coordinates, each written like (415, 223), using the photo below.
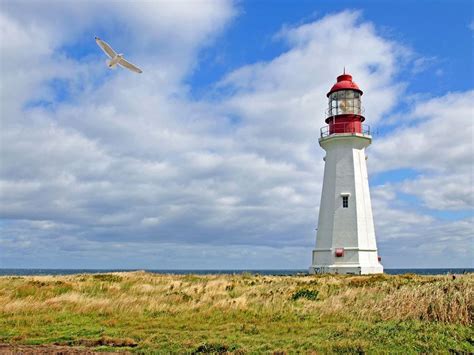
(436, 30)
(209, 159)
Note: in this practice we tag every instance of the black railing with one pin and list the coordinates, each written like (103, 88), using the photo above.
(345, 128)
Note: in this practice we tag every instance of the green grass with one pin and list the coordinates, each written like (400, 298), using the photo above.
(240, 313)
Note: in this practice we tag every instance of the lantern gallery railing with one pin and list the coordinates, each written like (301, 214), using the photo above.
(346, 127)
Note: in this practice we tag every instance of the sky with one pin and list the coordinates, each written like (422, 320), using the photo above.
(210, 158)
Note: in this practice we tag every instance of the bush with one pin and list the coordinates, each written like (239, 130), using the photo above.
(305, 293)
(107, 277)
(213, 348)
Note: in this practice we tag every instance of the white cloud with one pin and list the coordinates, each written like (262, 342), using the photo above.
(432, 123)
(409, 238)
(437, 140)
(299, 76)
(443, 192)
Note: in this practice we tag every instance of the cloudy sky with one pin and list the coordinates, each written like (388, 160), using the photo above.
(209, 159)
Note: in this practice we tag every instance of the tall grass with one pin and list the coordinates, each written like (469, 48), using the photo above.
(229, 305)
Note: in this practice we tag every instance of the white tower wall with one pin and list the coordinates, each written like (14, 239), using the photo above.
(351, 228)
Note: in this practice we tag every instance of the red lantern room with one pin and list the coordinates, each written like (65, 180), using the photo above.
(345, 111)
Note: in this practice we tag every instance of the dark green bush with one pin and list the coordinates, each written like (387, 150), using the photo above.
(107, 277)
(305, 293)
(213, 348)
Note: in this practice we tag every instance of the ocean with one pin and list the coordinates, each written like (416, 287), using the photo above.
(23, 272)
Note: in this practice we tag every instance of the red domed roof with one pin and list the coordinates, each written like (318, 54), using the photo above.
(344, 82)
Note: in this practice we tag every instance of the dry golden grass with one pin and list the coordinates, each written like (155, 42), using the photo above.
(118, 297)
(430, 298)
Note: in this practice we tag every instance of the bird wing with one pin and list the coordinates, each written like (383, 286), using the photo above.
(105, 47)
(129, 65)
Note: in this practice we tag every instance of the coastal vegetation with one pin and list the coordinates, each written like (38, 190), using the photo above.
(246, 313)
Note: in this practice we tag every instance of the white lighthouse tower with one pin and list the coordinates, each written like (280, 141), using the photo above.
(345, 242)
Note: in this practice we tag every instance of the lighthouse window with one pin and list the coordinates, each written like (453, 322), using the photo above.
(344, 102)
(345, 201)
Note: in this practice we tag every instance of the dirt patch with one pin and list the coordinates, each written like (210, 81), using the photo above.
(9, 349)
(107, 341)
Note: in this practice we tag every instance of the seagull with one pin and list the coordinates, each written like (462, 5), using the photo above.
(115, 58)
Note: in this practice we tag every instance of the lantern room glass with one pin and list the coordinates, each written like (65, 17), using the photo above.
(344, 102)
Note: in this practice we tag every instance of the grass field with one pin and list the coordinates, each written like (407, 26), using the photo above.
(146, 312)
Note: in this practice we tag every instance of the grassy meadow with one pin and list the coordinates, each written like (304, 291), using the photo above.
(144, 312)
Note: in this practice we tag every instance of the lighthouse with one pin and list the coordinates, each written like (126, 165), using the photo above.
(345, 241)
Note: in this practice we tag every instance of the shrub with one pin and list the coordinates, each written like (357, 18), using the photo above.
(211, 348)
(305, 293)
(107, 277)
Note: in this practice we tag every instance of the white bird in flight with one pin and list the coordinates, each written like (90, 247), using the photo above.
(116, 58)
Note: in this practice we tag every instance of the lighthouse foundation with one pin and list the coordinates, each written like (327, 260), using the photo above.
(357, 262)
(345, 269)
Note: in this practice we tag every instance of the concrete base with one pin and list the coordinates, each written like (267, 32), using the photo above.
(346, 269)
